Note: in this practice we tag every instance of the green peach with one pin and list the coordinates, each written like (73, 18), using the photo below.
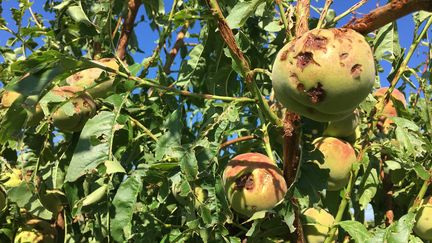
(423, 225)
(253, 183)
(317, 231)
(324, 74)
(343, 128)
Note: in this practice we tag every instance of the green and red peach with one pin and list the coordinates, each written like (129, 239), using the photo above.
(324, 74)
(253, 183)
(338, 157)
(389, 109)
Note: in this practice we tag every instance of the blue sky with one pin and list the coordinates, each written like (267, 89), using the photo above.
(148, 38)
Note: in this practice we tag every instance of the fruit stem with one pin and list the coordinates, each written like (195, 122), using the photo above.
(421, 194)
(324, 13)
(342, 206)
(145, 129)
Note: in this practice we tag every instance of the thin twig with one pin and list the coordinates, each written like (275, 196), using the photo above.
(284, 19)
(324, 13)
(127, 27)
(145, 129)
(35, 18)
(350, 10)
(237, 140)
(403, 66)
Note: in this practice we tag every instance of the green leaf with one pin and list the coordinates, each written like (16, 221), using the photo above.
(368, 188)
(189, 165)
(23, 195)
(188, 67)
(113, 166)
(400, 231)
(241, 12)
(386, 44)
(124, 205)
(169, 144)
(77, 13)
(93, 146)
(356, 230)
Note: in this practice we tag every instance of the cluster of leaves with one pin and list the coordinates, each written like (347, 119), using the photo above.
(148, 165)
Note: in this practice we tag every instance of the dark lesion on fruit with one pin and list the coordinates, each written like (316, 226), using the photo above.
(284, 55)
(316, 94)
(343, 55)
(316, 42)
(339, 33)
(304, 59)
(245, 181)
(356, 71)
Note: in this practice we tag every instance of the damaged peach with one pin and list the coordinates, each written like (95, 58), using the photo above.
(329, 72)
(253, 183)
(74, 111)
(88, 79)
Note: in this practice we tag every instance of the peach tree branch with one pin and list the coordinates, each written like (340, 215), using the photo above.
(133, 6)
(387, 14)
(247, 73)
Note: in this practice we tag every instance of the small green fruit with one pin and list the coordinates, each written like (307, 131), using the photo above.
(324, 74)
(423, 225)
(316, 232)
(84, 108)
(343, 128)
(253, 183)
(338, 158)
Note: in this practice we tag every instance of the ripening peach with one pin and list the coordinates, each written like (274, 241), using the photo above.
(338, 158)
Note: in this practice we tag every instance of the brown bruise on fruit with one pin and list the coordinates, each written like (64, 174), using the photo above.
(316, 42)
(316, 94)
(284, 55)
(339, 33)
(253, 182)
(304, 59)
(245, 181)
(356, 70)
